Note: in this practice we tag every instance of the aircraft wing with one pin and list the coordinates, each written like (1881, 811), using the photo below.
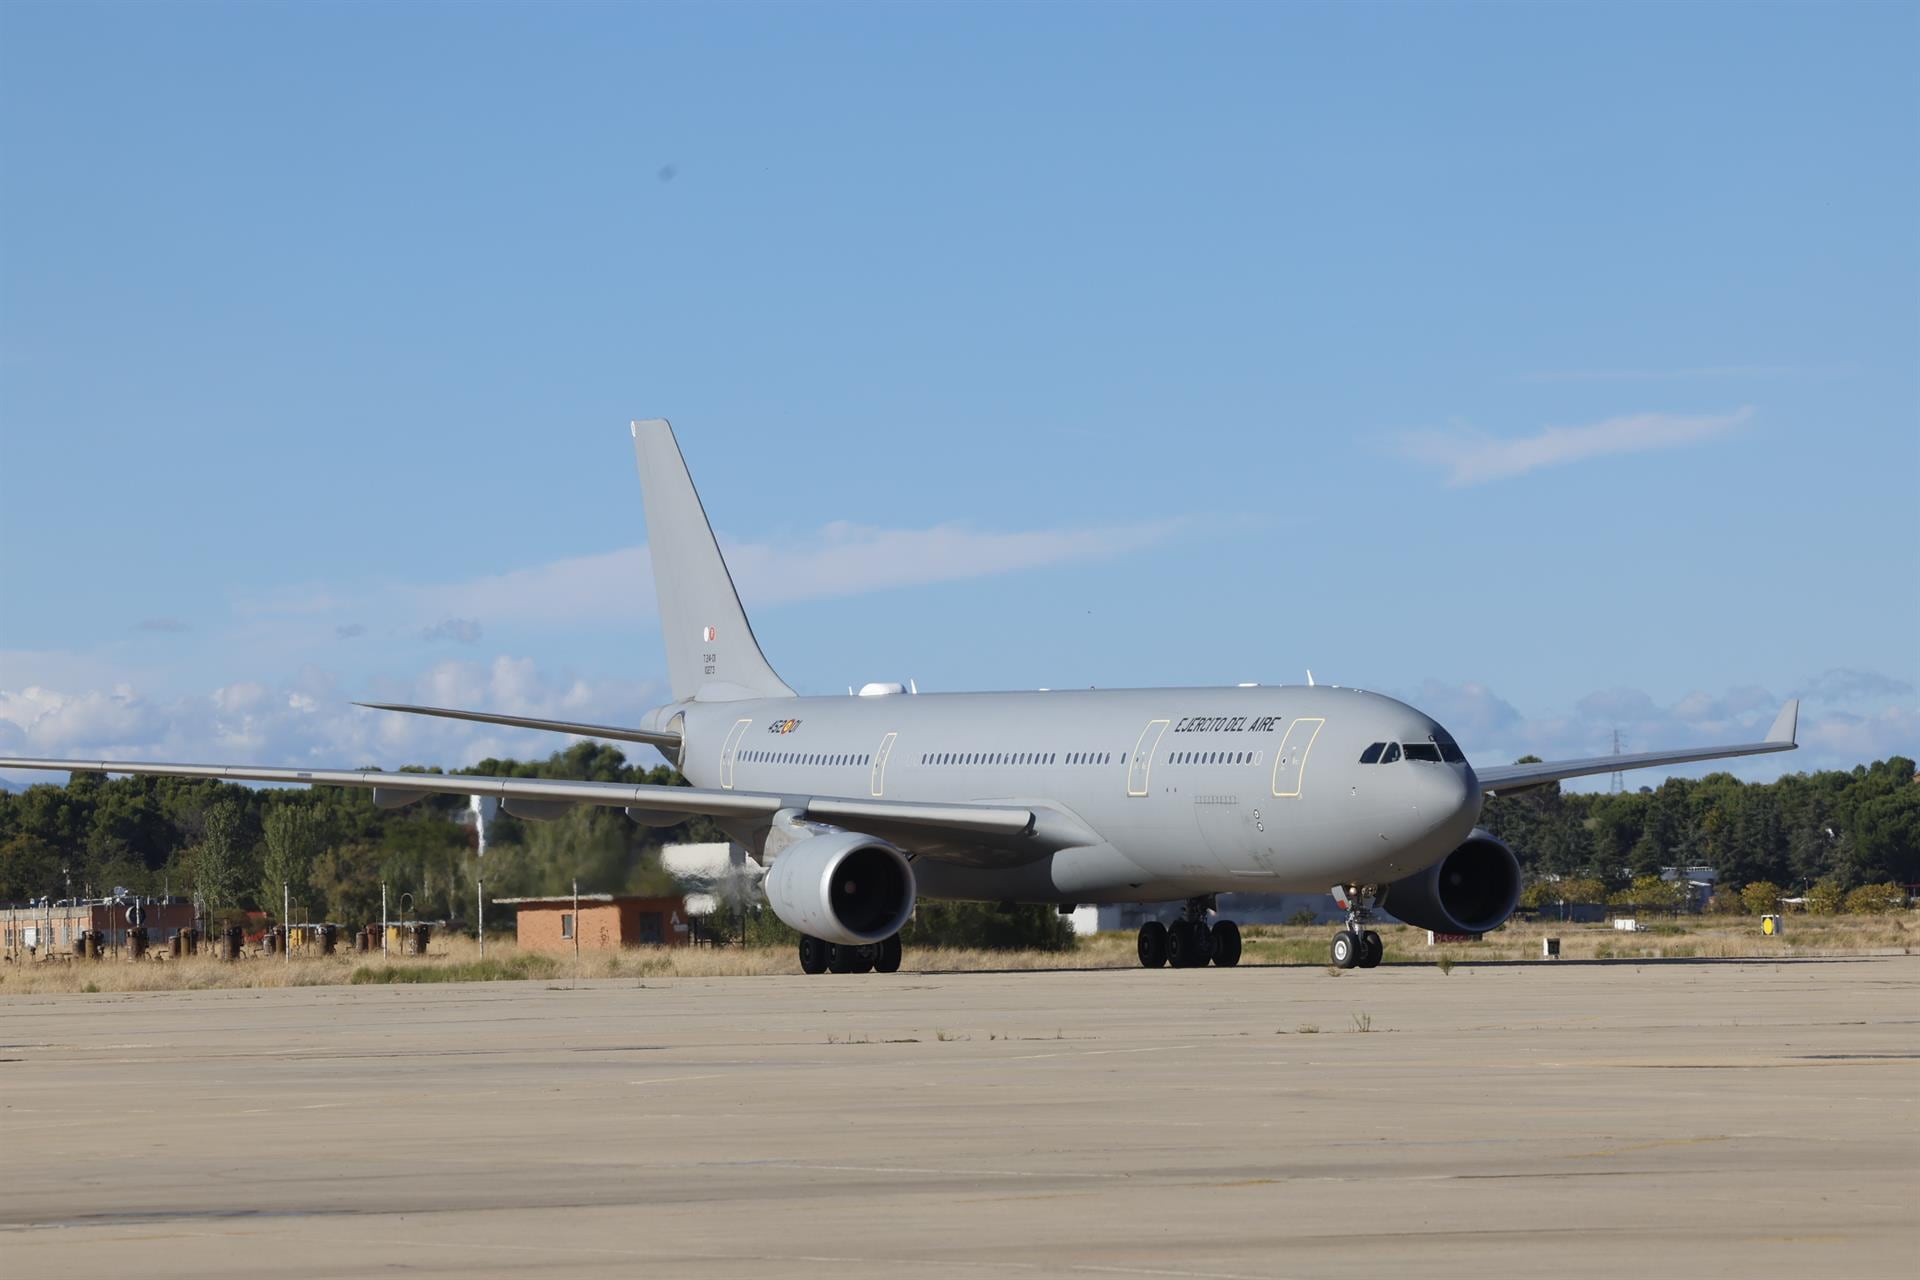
(1502, 779)
(978, 833)
(664, 741)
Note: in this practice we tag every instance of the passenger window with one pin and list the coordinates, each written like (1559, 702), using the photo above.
(1392, 753)
(1372, 754)
(1423, 751)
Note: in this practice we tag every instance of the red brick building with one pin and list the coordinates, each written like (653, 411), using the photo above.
(604, 922)
(39, 928)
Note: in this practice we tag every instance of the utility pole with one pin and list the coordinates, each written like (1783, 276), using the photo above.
(383, 919)
(286, 917)
(576, 924)
(480, 914)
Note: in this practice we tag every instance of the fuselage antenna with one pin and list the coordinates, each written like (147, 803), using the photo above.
(1309, 677)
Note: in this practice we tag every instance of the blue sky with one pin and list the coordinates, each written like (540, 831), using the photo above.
(1556, 367)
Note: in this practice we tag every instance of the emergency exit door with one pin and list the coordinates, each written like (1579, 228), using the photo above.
(1290, 769)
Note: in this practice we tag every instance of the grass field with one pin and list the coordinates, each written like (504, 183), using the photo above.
(457, 959)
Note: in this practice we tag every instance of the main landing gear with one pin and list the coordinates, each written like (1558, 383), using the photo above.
(1356, 946)
(1190, 942)
(817, 956)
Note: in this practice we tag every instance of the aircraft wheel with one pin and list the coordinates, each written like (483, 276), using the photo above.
(886, 956)
(1346, 949)
(1153, 944)
(864, 958)
(1372, 950)
(813, 955)
(1183, 949)
(1226, 944)
(841, 959)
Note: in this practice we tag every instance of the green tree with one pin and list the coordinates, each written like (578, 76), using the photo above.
(1761, 898)
(29, 868)
(345, 880)
(1825, 897)
(218, 864)
(291, 838)
(1651, 893)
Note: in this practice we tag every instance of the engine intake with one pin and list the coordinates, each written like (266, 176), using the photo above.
(1471, 890)
(842, 887)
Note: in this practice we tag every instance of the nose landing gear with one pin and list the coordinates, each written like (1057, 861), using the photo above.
(1356, 946)
(1190, 942)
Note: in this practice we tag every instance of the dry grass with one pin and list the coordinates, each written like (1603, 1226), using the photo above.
(457, 959)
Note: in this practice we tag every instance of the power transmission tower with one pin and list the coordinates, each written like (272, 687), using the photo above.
(1619, 777)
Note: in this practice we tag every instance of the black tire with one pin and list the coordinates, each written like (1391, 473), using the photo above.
(1346, 949)
(863, 959)
(1372, 950)
(1226, 944)
(813, 955)
(1153, 945)
(841, 959)
(886, 957)
(1183, 948)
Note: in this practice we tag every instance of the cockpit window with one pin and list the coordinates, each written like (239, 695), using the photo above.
(1423, 751)
(1449, 749)
(1372, 754)
(1392, 754)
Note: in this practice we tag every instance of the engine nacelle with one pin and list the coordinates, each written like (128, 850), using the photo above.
(842, 887)
(1471, 890)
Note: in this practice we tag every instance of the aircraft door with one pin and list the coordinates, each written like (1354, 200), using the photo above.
(1140, 765)
(1290, 766)
(730, 752)
(880, 764)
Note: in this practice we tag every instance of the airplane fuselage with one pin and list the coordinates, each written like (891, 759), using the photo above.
(1184, 791)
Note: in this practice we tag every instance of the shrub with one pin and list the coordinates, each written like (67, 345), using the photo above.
(1876, 899)
(1761, 898)
(1825, 898)
(1650, 893)
(984, 925)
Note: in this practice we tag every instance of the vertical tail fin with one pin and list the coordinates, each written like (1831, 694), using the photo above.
(711, 652)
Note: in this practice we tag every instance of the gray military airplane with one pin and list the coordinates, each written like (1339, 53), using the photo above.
(859, 804)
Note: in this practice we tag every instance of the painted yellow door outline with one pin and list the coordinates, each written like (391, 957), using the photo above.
(1290, 765)
(880, 764)
(1140, 767)
(731, 752)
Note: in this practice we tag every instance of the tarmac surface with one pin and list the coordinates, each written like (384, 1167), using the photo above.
(1651, 1119)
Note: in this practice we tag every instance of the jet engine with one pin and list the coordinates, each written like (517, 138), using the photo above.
(841, 887)
(1471, 890)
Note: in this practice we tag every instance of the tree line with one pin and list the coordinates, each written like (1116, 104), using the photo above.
(233, 846)
(1823, 835)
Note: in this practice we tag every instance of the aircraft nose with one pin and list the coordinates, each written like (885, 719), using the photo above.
(1452, 799)
(1447, 799)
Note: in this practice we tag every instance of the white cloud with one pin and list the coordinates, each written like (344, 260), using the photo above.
(309, 720)
(1470, 456)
